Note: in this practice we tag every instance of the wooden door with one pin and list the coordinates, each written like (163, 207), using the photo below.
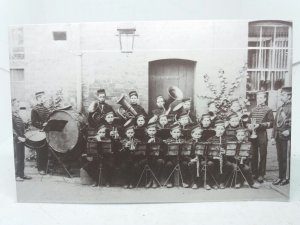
(167, 72)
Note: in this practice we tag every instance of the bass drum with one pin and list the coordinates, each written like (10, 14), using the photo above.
(70, 141)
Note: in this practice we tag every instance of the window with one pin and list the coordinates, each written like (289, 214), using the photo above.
(17, 75)
(18, 88)
(17, 51)
(269, 55)
(59, 35)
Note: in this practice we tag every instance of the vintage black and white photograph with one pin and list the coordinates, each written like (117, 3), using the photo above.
(152, 111)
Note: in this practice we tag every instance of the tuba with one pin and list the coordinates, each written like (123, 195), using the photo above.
(126, 111)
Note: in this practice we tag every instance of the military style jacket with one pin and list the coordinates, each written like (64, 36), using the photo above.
(282, 121)
(39, 115)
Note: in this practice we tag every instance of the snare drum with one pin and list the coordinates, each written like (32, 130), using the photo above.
(35, 139)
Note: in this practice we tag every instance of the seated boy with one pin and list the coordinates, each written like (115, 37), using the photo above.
(156, 162)
(243, 163)
(107, 162)
(222, 166)
(196, 133)
(172, 160)
(130, 164)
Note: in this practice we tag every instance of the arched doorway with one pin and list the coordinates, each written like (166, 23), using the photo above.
(167, 72)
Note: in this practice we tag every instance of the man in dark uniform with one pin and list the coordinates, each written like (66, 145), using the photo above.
(282, 134)
(19, 140)
(262, 119)
(133, 96)
(98, 109)
(39, 117)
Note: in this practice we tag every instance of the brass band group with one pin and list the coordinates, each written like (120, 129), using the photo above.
(171, 145)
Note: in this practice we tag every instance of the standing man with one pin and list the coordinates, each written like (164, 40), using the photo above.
(19, 140)
(133, 96)
(263, 117)
(98, 109)
(39, 117)
(281, 134)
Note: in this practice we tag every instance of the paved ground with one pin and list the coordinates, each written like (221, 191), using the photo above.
(55, 188)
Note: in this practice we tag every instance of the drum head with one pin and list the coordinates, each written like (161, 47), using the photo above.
(65, 140)
(35, 135)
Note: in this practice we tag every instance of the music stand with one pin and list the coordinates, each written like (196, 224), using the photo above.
(174, 149)
(239, 151)
(164, 133)
(59, 162)
(204, 149)
(152, 149)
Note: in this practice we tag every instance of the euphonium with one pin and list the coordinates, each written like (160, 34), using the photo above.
(126, 111)
(175, 95)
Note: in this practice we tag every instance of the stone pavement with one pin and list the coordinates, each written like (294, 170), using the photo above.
(59, 188)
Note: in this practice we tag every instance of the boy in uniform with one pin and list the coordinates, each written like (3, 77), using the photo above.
(175, 131)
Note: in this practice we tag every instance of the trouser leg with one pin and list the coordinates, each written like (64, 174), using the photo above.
(226, 171)
(108, 168)
(254, 162)
(263, 158)
(193, 172)
(42, 158)
(19, 153)
(282, 155)
(169, 168)
(185, 170)
(211, 173)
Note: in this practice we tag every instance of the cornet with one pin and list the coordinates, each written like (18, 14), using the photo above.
(253, 128)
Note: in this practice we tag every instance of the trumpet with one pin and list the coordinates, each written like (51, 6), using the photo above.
(132, 146)
(253, 128)
(115, 131)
